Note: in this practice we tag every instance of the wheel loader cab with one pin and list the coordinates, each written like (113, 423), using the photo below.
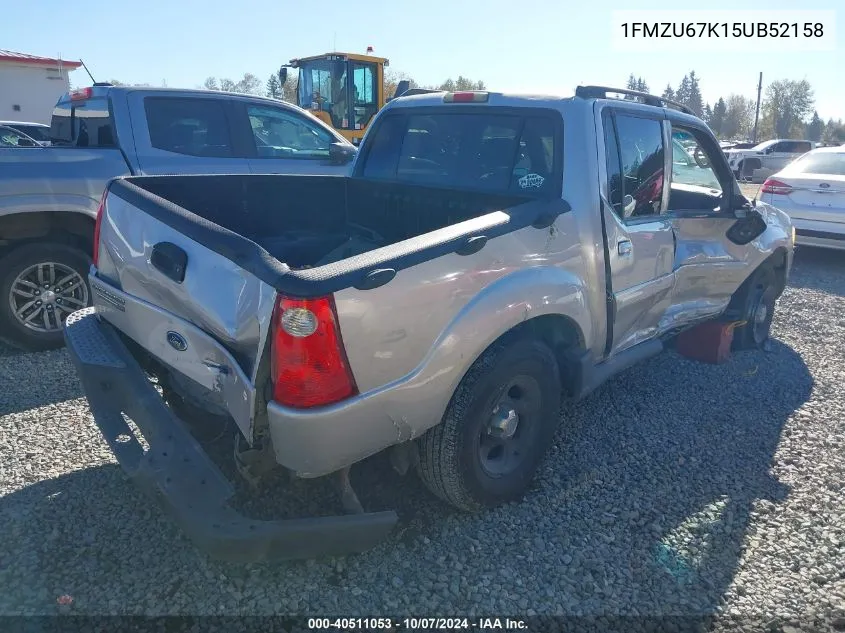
(342, 89)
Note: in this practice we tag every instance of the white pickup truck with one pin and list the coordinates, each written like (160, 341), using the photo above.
(765, 158)
(490, 255)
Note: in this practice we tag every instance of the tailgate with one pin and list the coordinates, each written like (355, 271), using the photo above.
(190, 307)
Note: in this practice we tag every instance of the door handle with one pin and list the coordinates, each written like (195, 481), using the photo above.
(624, 248)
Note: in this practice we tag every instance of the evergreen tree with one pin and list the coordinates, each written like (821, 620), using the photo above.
(631, 85)
(274, 87)
(717, 118)
(815, 128)
(694, 101)
(683, 92)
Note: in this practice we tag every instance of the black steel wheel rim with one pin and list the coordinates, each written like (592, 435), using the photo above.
(507, 434)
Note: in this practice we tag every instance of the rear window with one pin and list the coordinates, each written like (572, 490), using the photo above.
(830, 163)
(82, 124)
(486, 151)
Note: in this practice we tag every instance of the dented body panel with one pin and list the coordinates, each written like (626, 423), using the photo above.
(203, 299)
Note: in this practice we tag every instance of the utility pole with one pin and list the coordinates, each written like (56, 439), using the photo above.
(757, 113)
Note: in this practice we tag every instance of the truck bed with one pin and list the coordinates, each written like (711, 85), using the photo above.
(312, 235)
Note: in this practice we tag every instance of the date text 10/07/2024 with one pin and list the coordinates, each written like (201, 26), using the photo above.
(723, 29)
(416, 624)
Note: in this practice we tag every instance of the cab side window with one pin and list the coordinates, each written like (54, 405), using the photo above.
(194, 127)
(281, 134)
(691, 162)
(634, 154)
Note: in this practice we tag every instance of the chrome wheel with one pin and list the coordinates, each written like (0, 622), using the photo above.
(44, 294)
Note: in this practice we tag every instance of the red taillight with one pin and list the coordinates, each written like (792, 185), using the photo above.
(476, 96)
(100, 209)
(776, 187)
(81, 93)
(308, 363)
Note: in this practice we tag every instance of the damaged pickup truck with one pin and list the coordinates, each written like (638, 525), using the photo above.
(489, 256)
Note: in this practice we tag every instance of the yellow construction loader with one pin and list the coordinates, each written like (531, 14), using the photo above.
(343, 89)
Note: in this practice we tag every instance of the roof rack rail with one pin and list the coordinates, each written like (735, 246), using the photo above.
(418, 91)
(600, 92)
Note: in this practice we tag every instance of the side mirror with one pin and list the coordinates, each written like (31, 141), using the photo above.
(283, 74)
(401, 88)
(341, 153)
(628, 206)
(749, 225)
(25, 142)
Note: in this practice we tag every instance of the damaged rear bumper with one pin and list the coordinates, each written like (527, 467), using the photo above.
(177, 472)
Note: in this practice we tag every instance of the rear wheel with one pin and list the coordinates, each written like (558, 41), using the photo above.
(497, 428)
(757, 309)
(40, 285)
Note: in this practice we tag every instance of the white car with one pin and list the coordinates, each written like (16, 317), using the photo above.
(811, 191)
(768, 156)
(38, 132)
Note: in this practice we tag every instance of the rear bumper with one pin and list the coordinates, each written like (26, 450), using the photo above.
(820, 239)
(177, 472)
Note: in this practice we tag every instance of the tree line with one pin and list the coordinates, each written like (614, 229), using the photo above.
(273, 87)
(787, 110)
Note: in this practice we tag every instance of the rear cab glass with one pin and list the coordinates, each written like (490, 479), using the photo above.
(82, 123)
(505, 150)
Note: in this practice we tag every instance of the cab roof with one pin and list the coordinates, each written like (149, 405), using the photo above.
(345, 56)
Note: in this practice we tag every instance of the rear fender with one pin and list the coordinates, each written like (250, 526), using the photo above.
(39, 203)
(420, 400)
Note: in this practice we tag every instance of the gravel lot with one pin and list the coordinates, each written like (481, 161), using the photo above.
(678, 488)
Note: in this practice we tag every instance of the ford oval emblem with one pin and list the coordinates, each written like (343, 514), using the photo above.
(824, 185)
(177, 341)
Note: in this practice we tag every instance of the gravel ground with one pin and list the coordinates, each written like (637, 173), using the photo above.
(750, 190)
(678, 488)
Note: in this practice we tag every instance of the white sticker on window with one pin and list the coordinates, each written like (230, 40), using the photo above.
(531, 180)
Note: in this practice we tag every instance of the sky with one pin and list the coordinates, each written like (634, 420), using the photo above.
(528, 46)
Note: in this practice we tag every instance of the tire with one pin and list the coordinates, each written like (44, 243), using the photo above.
(30, 322)
(458, 456)
(756, 307)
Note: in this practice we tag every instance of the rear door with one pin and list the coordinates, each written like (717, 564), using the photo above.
(185, 134)
(640, 241)
(281, 140)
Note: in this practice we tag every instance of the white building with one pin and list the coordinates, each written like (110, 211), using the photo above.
(30, 86)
